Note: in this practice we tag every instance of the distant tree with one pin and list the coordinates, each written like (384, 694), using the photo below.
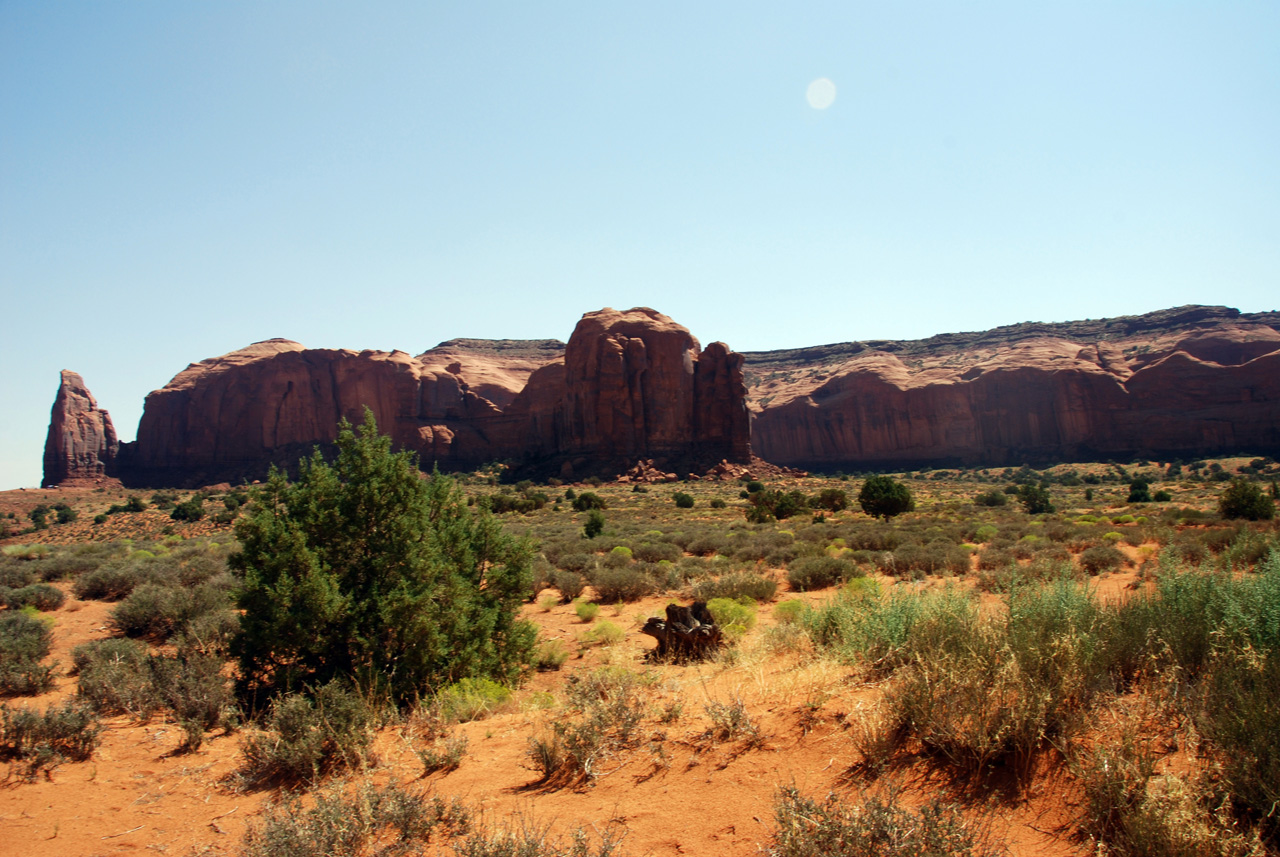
(991, 498)
(363, 569)
(188, 510)
(1035, 499)
(884, 497)
(831, 499)
(587, 500)
(1244, 499)
(770, 505)
(1139, 491)
(594, 525)
(39, 517)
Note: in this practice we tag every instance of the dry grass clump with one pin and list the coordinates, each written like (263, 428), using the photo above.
(871, 827)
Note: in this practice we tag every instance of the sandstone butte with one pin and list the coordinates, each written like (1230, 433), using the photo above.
(628, 386)
(635, 386)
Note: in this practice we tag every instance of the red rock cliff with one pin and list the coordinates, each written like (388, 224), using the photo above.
(628, 385)
(1183, 383)
(81, 444)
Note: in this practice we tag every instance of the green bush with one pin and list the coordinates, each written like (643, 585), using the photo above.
(683, 500)
(1244, 499)
(594, 525)
(108, 583)
(189, 510)
(819, 572)
(471, 699)
(550, 655)
(362, 568)
(743, 584)
(115, 677)
(831, 499)
(735, 617)
(1035, 499)
(884, 497)
(41, 596)
(588, 500)
(991, 498)
(586, 611)
(790, 612)
(24, 642)
(621, 584)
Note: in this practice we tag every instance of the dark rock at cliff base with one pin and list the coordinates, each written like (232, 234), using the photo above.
(81, 446)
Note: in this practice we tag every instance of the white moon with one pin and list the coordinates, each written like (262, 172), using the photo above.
(821, 93)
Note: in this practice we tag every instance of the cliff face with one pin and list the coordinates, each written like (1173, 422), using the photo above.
(81, 445)
(628, 385)
(635, 385)
(1184, 382)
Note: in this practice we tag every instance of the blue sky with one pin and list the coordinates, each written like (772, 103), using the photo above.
(178, 180)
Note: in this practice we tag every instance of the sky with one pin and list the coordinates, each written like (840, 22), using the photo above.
(178, 180)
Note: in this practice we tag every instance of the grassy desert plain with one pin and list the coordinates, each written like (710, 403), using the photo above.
(960, 679)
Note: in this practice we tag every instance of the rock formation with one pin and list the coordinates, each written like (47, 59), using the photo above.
(635, 385)
(629, 385)
(81, 446)
(1186, 382)
(633, 393)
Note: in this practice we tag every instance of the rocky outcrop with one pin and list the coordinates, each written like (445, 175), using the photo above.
(81, 445)
(634, 386)
(629, 385)
(1181, 383)
(230, 417)
(633, 393)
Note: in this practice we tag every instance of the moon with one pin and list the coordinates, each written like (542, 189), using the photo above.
(821, 93)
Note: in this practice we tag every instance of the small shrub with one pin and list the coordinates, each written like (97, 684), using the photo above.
(444, 754)
(621, 584)
(1100, 558)
(744, 584)
(683, 500)
(871, 827)
(819, 572)
(471, 699)
(569, 583)
(604, 634)
(594, 525)
(734, 617)
(586, 611)
(41, 596)
(306, 739)
(69, 731)
(730, 721)
(370, 819)
(108, 583)
(789, 612)
(992, 498)
(717, 503)
(550, 655)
